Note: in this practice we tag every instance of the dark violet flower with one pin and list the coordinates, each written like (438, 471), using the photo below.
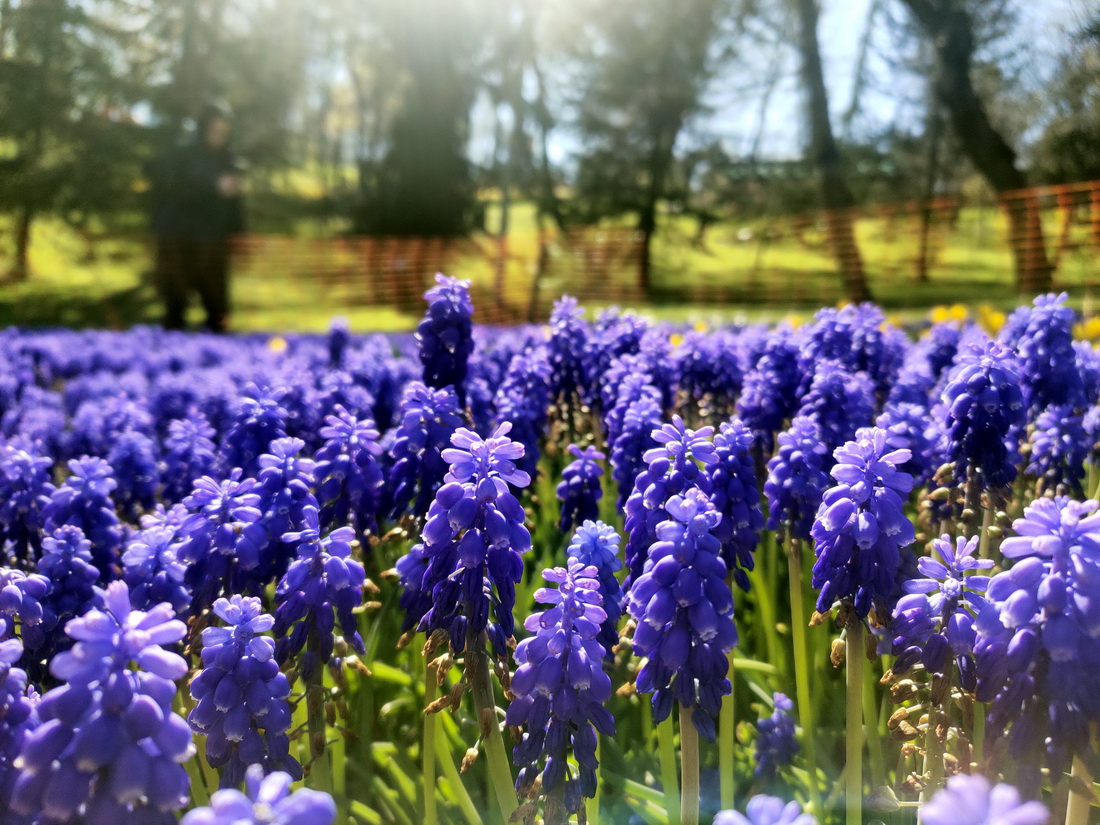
(909, 429)
(473, 543)
(349, 480)
(25, 491)
(770, 393)
(985, 406)
(153, 568)
(709, 370)
(579, 490)
(735, 495)
(322, 586)
(796, 479)
(633, 388)
(776, 744)
(566, 348)
(25, 610)
(1048, 360)
(218, 561)
(133, 460)
(673, 467)
(189, 453)
(109, 748)
(267, 801)
(840, 402)
(284, 484)
(684, 613)
(857, 338)
(1059, 447)
(1039, 639)
(939, 346)
(260, 418)
(84, 501)
(560, 687)
(766, 810)
(861, 525)
(934, 623)
(18, 717)
(970, 799)
(241, 696)
(523, 401)
(445, 335)
(641, 419)
(1088, 365)
(67, 563)
(428, 420)
(596, 544)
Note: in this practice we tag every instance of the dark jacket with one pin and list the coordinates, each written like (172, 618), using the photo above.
(185, 201)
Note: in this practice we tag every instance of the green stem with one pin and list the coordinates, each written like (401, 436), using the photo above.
(666, 750)
(726, 725)
(689, 769)
(320, 771)
(454, 780)
(871, 728)
(983, 540)
(500, 772)
(197, 781)
(427, 756)
(854, 722)
(1077, 811)
(592, 806)
(978, 739)
(802, 672)
(933, 758)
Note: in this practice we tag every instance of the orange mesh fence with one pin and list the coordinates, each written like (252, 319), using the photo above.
(948, 250)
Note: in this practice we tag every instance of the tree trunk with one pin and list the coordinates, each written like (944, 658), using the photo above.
(951, 31)
(21, 267)
(835, 194)
(931, 175)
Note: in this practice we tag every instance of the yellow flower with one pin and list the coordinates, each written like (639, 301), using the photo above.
(1088, 329)
(700, 326)
(990, 319)
(676, 339)
(795, 320)
(277, 344)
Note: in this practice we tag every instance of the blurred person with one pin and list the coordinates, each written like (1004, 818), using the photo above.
(196, 209)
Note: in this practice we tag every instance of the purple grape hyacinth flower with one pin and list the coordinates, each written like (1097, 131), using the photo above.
(579, 490)
(985, 405)
(241, 696)
(84, 500)
(1039, 639)
(266, 800)
(777, 744)
(766, 810)
(970, 799)
(445, 335)
(861, 525)
(560, 686)
(473, 543)
(349, 479)
(25, 491)
(322, 586)
(1059, 448)
(684, 613)
(935, 619)
(734, 494)
(796, 479)
(109, 748)
(596, 544)
(673, 468)
(428, 420)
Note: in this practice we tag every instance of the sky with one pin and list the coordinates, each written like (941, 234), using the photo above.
(735, 116)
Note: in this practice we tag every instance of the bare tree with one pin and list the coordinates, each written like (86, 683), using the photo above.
(950, 28)
(836, 196)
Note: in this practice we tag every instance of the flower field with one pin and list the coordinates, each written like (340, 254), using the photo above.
(602, 571)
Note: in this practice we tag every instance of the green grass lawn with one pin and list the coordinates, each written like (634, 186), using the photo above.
(756, 270)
